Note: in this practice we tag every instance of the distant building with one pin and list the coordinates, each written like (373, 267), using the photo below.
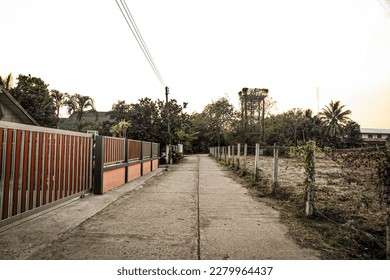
(90, 121)
(12, 111)
(374, 136)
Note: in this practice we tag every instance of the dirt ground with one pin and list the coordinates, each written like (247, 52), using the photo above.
(350, 213)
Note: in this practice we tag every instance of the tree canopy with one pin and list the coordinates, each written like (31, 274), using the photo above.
(33, 94)
(148, 119)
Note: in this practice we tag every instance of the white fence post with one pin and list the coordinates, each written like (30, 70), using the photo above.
(228, 161)
(257, 154)
(245, 156)
(275, 173)
(233, 155)
(167, 155)
(238, 155)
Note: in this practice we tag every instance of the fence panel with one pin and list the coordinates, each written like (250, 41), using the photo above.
(155, 148)
(39, 166)
(146, 150)
(134, 150)
(114, 150)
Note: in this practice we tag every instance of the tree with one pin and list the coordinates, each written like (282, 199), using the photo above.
(123, 125)
(120, 111)
(59, 100)
(179, 121)
(218, 116)
(148, 119)
(33, 94)
(80, 104)
(352, 137)
(334, 120)
(115, 130)
(145, 119)
(7, 82)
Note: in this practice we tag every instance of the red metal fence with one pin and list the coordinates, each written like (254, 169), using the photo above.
(118, 161)
(134, 150)
(39, 166)
(114, 150)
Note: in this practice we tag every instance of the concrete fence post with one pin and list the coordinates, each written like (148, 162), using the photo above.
(257, 155)
(167, 152)
(245, 156)
(233, 155)
(275, 183)
(238, 155)
(228, 161)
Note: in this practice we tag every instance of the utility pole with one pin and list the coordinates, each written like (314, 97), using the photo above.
(169, 124)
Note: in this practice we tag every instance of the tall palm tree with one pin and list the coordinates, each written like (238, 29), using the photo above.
(80, 104)
(334, 119)
(59, 100)
(7, 82)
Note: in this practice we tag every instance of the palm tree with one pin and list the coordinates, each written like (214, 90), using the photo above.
(115, 130)
(7, 82)
(80, 104)
(334, 119)
(59, 100)
(123, 126)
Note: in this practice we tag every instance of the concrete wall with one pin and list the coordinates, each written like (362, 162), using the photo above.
(113, 179)
(133, 172)
(146, 167)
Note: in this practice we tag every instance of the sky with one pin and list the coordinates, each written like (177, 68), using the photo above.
(207, 49)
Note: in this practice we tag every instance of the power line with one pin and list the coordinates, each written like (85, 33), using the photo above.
(137, 34)
(140, 36)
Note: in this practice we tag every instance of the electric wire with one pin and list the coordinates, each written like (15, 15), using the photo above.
(142, 46)
(140, 42)
(140, 36)
(136, 34)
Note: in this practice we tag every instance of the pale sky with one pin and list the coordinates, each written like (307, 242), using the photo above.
(205, 49)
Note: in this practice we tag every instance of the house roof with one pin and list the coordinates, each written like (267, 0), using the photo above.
(9, 101)
(375, 130)
(88, 117)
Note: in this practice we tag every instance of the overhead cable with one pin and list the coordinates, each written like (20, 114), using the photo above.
(137, 34)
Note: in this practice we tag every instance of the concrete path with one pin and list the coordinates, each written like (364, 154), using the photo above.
(192, 211)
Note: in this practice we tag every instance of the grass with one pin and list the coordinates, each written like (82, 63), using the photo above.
(349, 221)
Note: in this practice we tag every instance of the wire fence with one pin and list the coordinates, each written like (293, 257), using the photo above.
(349, 187)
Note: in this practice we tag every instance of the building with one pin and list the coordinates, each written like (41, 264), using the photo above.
(374, 136)
(90, 121)
(12, 111)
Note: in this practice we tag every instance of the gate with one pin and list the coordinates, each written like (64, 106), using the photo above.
(41, 166)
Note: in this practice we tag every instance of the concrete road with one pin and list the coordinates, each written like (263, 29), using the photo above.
(191, 211)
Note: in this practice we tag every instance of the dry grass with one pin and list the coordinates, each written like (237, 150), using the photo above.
(349, 221)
